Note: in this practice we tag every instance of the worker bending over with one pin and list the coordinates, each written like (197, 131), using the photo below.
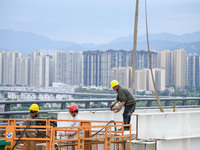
(127, 99)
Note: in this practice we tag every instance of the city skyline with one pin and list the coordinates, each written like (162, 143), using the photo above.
(98, 68)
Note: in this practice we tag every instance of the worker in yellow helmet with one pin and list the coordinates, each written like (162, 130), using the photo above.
(126, 98)
(31, 145)
(34, 108)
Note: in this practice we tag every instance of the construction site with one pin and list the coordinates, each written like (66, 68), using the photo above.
(122, 127)
(149, 130)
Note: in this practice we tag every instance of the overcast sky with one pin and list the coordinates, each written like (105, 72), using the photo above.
(97, 21)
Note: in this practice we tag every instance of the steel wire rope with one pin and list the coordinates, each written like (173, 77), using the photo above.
(154, 85)
(134, 46)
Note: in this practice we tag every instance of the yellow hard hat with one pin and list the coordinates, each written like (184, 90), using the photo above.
(114, 83)
(34, 107)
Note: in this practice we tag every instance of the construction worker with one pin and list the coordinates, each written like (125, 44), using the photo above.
(31, 145)
(126, 98)
(34, 108)
(73, 110)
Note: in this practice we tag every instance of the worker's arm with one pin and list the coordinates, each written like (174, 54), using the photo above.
(122, 104)
(120, 107)
(112, 105)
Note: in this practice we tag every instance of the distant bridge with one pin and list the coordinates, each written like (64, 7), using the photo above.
(54, 93)
(147, 101)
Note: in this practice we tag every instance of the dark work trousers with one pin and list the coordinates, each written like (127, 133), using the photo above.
(128, 110)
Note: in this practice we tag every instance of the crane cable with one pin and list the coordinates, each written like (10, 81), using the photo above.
(134, 46)
(134, 53)
(157, 97)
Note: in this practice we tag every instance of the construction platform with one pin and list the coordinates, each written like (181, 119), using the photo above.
(150, 130)
(89, 135)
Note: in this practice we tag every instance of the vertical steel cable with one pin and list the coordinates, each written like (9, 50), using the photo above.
(134, 46)
(158, 100)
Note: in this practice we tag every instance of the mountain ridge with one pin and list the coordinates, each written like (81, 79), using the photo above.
(26, 42)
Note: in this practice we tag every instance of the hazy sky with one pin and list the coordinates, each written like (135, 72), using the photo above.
(97, 21)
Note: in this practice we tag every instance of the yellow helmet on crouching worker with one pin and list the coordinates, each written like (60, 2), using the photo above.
(114, 83)
(34, 107)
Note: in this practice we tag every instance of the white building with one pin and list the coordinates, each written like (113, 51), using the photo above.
(174, 63)
(122, 75)
(40, 69)
(23, 71)
(8, 61)
(143, 79)
(179, 68)
(67, 67)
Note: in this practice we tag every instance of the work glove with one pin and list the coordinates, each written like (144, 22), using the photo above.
(111, 106)
(118, 109)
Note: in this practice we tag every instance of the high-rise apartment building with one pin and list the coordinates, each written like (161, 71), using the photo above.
(143, 79)
(47, 71)
(164, 62)
(40, 66)
(142, 59)
(59, 67)
(23, 71)
(8, 67)
(122, 75)
(193, 70)
(36, 69)
(159, 78)
(67, 67)
(97, 66)
(174, 63)
(113, 59)
(178, 72)
(74, 68)
(92, 67)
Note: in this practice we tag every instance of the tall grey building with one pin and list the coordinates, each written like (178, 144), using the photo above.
(67, 67)
(142, 59)
(59, 67)
(23, 71)
(47, 71)
(40, 68)
(8, 67)
(97, 65)
(92, 67)
(74, 68)
(193, 70)
(113, 59)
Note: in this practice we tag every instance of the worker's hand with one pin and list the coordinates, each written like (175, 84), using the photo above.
(118, 109)
(111, 106)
